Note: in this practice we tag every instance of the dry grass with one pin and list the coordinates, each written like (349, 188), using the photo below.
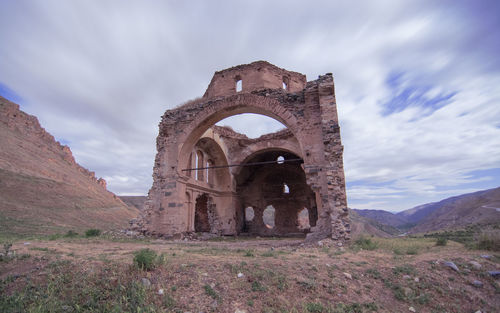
(287, 278)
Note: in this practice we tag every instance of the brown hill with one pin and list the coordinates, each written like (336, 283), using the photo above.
(361, 226)
(383, 217)
(134, 201)
(42, 189)
(478, 208)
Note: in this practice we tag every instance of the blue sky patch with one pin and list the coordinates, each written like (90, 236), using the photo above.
(9, 94)
(405, 95)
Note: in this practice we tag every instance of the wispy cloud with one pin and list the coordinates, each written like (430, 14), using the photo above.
(417, 82)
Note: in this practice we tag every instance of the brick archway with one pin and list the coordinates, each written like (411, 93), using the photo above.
(307, 109)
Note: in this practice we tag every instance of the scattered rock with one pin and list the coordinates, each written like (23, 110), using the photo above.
(486, 256)
(214, 304)
(475, 265)
(412, 309)
(240, 311)
(67, 308)
(416, 279)
(160, 291)
(240, 275)
(406, 277)
(407, 291)
(347, 275)
(145, 282)
(478, 311)
(477, 284)
(494, 273)
(451, 265)
(27, 243)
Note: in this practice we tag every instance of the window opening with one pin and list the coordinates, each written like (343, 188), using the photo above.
(239, 85)
(280, 159)
(199, 164)
(286, 189)
(268, 216)
(303, 219)
(249, 214)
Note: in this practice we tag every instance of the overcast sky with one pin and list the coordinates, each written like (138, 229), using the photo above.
(417, 82)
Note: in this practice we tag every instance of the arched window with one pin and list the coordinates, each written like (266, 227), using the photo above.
(249, 214)
(280, 159)
(199, 164)
(286, 189)
(285, 83)
(268, 216)
(210, 172)
(239, 83)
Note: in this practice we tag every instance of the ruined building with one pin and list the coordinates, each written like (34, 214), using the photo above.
(211, 179)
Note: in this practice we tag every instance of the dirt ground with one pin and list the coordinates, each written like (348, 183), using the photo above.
(269, 275)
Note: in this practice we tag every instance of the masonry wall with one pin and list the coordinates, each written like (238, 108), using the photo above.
(313, 135)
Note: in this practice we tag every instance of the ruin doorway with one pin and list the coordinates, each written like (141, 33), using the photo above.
(201, 221)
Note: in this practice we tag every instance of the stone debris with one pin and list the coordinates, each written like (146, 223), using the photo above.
(412, 309)
(240, 275)
(160, 291)
(477, 283)
(451, 265)
(475, 265)
(494, 273)
(347, 275)
(146, 282)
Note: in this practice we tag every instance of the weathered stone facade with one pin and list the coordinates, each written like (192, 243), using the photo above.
(195, 188)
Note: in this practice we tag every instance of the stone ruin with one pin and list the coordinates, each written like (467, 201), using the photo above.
(214, 180)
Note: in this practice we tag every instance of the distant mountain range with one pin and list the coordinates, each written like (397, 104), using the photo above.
(478, 208)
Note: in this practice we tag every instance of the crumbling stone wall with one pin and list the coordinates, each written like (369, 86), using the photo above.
(189, 140)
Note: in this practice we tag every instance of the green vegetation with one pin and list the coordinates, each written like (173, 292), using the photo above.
(94, 292)
(441, 241)
(488, 240)
(365, 243)
(71, 234)
(210, 292)
(92, 232)
(147, 259)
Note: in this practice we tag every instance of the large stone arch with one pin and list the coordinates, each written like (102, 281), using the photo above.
(208, 115)
(307, 109)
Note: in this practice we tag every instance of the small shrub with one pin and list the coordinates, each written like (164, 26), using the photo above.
(256, 286)
(145, 259)
(412, 251)
(373, 273)
(365, 243)
(210, 292)
(404, 269)
(314, 307)
(441, 241)
(92, 232)
(249, 253)
(397, 251)
(488, 240)
(71, 234)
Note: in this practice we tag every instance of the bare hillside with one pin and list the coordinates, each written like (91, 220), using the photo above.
(134, 201)
(479, 208)
(42, 188)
